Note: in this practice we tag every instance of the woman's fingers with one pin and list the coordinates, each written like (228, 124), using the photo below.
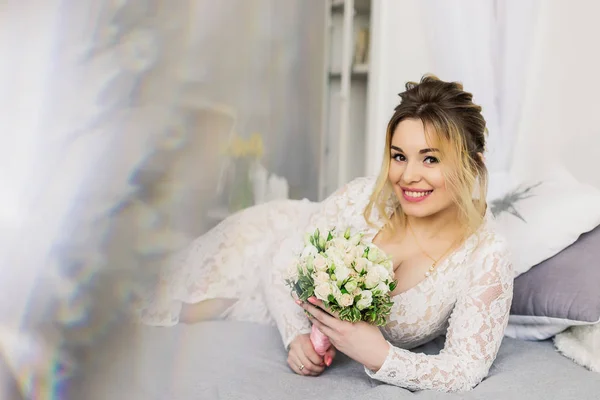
(303, 366)
(326, 330)
(313, 368)
(311, 354)
(331, 352)
(319, 303)
(329, 356)
(294, 363)
(320, 315)
(295, 366)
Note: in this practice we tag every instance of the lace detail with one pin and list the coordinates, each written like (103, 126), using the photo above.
(248, 256)
(230, 262)
(482, 288)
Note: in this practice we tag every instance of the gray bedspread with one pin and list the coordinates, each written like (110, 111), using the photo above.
(234, 360)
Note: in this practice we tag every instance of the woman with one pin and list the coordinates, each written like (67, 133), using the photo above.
(426, 210)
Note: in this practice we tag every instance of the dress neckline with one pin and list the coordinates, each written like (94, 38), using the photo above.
(392, 204)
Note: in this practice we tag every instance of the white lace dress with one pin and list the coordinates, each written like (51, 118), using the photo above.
(248, 255)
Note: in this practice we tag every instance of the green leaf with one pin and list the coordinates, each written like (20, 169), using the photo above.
(329, 236)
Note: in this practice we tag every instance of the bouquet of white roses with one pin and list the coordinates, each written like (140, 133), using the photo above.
(352, 278)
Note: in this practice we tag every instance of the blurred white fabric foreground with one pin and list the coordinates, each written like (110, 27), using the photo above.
(111, 110)
(67, 94)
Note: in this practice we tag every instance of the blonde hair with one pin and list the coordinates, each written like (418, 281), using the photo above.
(451, 119)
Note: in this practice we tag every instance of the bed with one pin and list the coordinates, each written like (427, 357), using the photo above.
(238, 360)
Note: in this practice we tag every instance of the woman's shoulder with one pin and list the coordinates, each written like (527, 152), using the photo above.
(492, 252)
(358, 188)
(363, 183)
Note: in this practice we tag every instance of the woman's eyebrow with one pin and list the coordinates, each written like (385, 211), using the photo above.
(423, 151)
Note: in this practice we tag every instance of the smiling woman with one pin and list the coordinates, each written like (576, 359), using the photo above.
(453, 273)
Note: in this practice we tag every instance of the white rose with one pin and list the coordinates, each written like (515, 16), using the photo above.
(309, 250)
(346, 300)
(335, 291)
(351, 286)
(320, 277)
(361, 265)
(372, 279)
(341, 272)
(389, 265)
(348, 259)
(335, 254)
(382, 287)
(302, 267)
(375, 255)
(358, 251)
(340, 244)
(383, 272)
(320, 263)
(355, 239)
(366, 298)
(337, 262)
(323, 290)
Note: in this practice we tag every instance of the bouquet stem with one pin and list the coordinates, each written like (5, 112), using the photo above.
(319, 341)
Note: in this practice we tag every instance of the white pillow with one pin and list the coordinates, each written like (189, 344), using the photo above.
(541, 217)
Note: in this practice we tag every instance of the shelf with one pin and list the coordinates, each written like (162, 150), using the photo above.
(358, 71)
(360, 6)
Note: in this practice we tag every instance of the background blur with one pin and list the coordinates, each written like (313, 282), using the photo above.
(130, 127)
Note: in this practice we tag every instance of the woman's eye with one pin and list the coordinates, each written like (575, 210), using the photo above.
(431, 160)
(398, 157)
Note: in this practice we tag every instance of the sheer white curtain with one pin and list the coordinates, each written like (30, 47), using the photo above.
(26, 42)
(110, 112)
(487, 45)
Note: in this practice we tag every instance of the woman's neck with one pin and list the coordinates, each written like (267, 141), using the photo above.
(441, 225)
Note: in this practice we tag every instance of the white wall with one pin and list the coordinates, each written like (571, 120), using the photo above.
(561, 116)
(399, 53)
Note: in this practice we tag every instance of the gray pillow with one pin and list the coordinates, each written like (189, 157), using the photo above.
(559, 292)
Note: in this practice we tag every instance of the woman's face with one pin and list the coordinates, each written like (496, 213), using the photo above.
(415, 171)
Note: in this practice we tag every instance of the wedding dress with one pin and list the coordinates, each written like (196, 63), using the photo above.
(248, 256)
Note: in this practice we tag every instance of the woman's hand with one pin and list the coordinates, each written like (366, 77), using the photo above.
(303, 359)
(360, 341)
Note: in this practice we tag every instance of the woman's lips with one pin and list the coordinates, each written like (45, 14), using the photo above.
(415, 196)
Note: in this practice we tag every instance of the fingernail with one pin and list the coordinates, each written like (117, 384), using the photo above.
(298, 302)
(313, 300)
(328, 360)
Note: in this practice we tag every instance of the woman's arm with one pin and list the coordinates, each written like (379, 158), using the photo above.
(290, 319)
(474, 335)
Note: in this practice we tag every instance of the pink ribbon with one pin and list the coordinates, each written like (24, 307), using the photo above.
(319, 341)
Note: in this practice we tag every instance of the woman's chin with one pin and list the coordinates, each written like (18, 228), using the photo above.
(415, 212)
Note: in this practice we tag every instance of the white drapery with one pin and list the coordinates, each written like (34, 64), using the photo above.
(95, 91)
(24, 77)
(486, 44)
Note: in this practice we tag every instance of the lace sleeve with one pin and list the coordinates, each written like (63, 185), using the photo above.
(474, 335)
(290, 319)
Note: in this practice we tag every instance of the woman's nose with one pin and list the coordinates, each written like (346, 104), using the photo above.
(411, 173)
